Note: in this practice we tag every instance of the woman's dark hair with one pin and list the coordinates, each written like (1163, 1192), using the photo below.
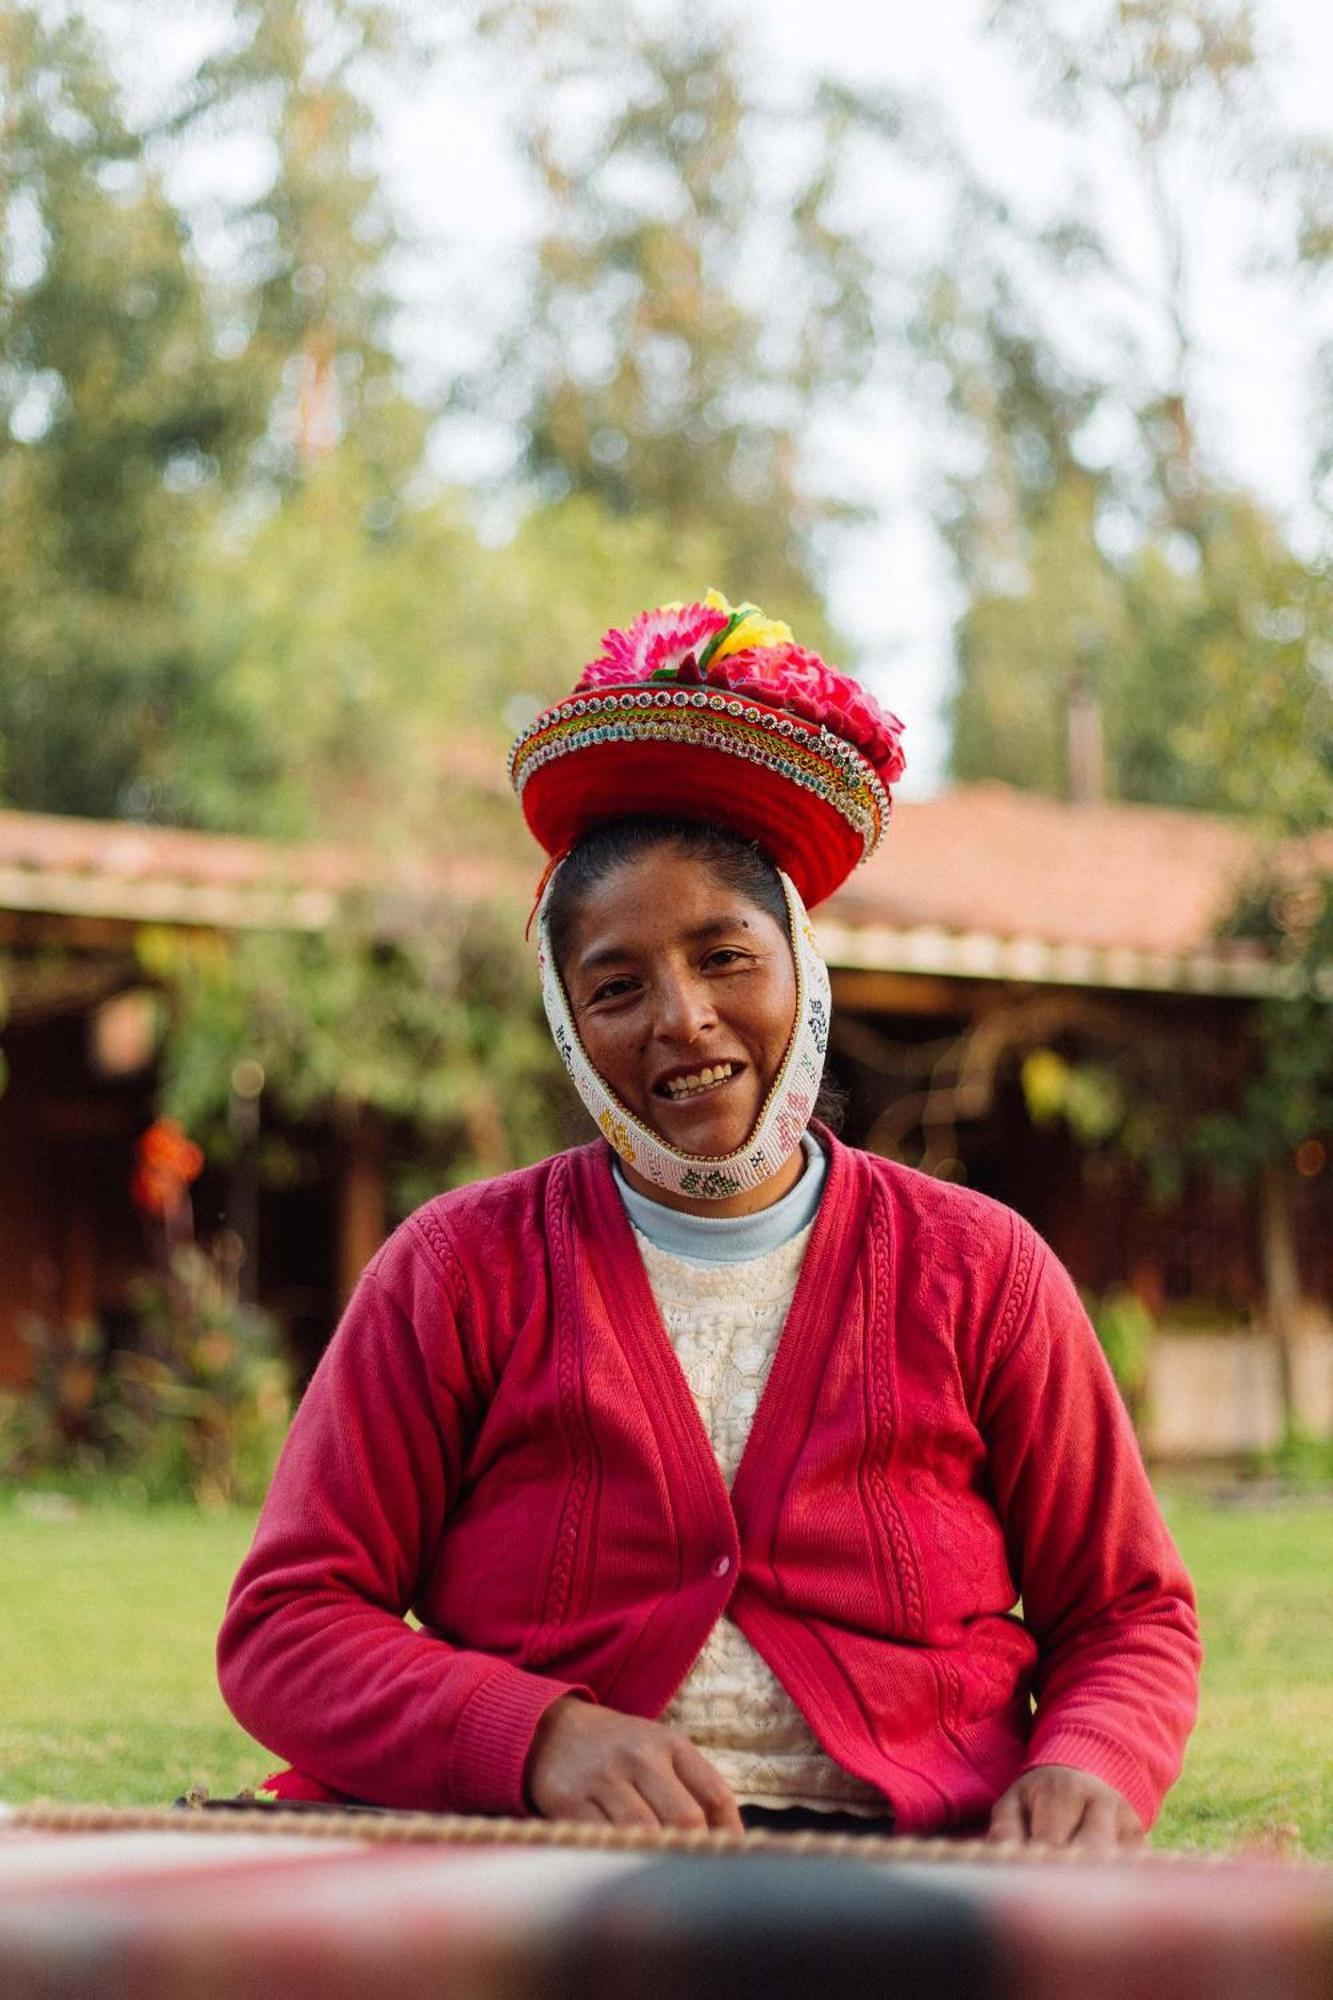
(739, 864)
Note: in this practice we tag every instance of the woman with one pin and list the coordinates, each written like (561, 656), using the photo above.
(713, 1457)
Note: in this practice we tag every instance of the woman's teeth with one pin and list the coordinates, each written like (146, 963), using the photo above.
(689, 1086)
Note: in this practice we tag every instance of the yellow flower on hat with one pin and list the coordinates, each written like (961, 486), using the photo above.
(750, 628)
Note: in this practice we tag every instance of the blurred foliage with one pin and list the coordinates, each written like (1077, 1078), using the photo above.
(1285, 1100)
(200, 1404)
(195, 1409)
(1125, 1328)
(1109, 568)
(370, 659)
(308, 303)
(1173, 1105)
(423, 1015)
(114, 416)
(1086, 1096)
(55, 1425)
(144, 399)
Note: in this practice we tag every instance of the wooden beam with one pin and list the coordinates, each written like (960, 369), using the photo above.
(35, 929)
(902, 993)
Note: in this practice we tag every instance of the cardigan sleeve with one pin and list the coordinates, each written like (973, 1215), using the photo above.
(1104, 1589)
(314, 1656)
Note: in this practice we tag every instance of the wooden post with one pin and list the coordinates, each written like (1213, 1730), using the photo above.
(1282, 1283)
(363, 1198)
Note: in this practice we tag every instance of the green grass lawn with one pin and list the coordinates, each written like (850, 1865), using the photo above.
(1259, 1768)
(107, 1624)
(106, 1665)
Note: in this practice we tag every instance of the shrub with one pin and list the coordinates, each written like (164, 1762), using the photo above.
(1125, 1328)
(197, 1407)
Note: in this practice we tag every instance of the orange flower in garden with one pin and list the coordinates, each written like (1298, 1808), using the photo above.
(166, 1163)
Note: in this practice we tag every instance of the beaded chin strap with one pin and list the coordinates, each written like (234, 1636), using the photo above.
(785, 1113)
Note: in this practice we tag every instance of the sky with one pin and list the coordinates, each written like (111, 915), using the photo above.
(467, 214)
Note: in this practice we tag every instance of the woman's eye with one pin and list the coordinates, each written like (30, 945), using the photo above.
(613, 989)
(724, 955)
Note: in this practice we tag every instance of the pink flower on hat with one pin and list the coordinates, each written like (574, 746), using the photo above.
(657, 642)
(801, 683)
(757, 656)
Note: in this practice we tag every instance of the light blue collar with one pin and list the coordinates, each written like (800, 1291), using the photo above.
(729, 1239)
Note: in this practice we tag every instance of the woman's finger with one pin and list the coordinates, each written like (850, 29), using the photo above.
(624, 1805)
(1055, 1808)
(709, 1787)
(670, 1798)
(1098, 1831)
(1008, 1820)
(586, 1812)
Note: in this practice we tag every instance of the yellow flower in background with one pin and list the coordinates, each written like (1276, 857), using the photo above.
(750, 629)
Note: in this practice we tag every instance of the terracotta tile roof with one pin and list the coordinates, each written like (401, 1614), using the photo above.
(1012, 864)
(980, 881)
(118, 869)
(991, 882)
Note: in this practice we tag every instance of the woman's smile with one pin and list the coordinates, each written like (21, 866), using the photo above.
(686, 1087)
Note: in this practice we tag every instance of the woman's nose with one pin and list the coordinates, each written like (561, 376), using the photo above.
(683, 1008)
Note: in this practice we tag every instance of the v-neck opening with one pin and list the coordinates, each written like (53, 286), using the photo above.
(817, 1266)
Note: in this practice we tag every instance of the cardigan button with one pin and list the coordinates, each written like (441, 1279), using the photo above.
(721, 1565)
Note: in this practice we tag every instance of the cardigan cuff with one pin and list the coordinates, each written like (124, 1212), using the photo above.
(492, 1737)
(1101, 1756)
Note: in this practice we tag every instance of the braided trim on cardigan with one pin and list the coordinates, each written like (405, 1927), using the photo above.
(437, 1239)
(1020, 1286)
(905, 1564)
(560, 1581)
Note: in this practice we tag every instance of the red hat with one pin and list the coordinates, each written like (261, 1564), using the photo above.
(702, 711)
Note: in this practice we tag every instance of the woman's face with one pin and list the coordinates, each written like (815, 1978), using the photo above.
(684, 995)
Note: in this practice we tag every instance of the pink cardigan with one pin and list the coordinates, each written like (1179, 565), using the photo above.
(499, 1439)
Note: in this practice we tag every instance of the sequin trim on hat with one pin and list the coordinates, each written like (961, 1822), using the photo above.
(807, 755)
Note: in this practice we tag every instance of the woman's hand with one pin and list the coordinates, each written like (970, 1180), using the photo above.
(591, 1763)
(1060, 1807)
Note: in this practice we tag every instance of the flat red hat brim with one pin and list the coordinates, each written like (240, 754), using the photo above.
(800, 831)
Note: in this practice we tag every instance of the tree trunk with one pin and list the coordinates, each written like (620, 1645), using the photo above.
(1282, 1285)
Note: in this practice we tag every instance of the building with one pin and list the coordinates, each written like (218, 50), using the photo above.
(993, 927)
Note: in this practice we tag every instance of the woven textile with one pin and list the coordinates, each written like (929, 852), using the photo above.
(145, 1904)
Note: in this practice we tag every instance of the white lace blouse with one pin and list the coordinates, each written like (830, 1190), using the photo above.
(723, 1321)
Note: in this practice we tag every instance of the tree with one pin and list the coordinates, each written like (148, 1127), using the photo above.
(408, 1032)
(115, 416)
(1103, 551)
(660, 366)
(309, 280)
(154, 403)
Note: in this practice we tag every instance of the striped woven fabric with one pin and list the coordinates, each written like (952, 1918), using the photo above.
(94, 1901)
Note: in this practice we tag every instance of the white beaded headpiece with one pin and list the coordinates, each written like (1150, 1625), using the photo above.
(783, 1117)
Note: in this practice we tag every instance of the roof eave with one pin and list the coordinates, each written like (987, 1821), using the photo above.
(1035, 961)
